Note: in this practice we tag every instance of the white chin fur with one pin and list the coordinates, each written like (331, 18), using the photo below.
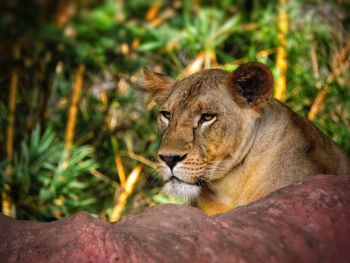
(182, 190)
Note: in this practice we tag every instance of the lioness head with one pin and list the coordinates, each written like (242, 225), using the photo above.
(207, 123)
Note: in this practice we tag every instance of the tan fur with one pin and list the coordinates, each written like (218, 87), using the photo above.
(252, 146)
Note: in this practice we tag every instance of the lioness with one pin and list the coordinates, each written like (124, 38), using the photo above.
(225, 141)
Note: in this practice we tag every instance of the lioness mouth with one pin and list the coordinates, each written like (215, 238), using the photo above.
(174, 178)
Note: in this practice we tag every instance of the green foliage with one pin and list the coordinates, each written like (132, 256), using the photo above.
(114, 41)
(209, 30)
(47, 180)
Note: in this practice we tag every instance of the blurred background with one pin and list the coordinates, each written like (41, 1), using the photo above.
(77, 129)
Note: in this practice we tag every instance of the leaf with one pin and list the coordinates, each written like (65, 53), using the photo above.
(76, 185)
(149, 46)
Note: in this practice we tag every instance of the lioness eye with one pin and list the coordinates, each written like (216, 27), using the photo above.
(206, 117)
(165, 114)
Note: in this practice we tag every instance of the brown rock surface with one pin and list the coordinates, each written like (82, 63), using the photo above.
(308, 222)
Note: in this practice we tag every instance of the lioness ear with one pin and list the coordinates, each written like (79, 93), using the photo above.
(251, 85)
(158, 85)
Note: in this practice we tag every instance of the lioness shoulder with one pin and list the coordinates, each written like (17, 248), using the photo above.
(225, 141)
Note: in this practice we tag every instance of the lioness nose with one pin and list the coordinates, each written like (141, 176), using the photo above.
(172, 160)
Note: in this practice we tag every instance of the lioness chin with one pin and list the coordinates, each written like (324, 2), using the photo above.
(225, 141)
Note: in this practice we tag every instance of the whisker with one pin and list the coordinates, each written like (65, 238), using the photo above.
(204, 182)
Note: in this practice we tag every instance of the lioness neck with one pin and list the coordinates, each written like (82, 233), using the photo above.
(285, 150)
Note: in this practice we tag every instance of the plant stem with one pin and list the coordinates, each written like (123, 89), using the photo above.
(7, 207)
(142, 159)
(281, 56)
(123, 197)
(342, 58)
(120, 169)
(118, 162)
(73, 110)
(186, 5)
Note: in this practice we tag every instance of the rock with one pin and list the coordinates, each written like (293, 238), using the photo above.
(307, 222)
